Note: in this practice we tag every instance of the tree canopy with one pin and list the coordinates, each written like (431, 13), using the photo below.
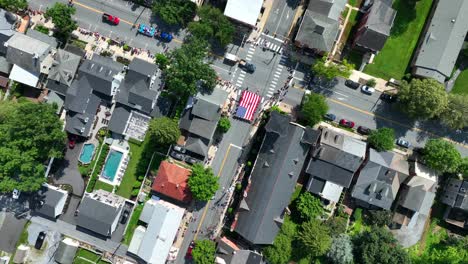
(313, 108)
(204, 252)
(382, 139)
(203, 184)
(337, 225)
(175, 12)
(29, 134)
(377, 245)
(14, 5)
(224, 124)
(331, 70)
(378, 217)
(309, 206)
(162, 60)
(163, 131)
(442, 156)
(456, 114)
(212, 24)
(445, 249)
(281, 250)
(463, 168)
(314, 238)
(341, 250)
(61, 15)
(423, 99)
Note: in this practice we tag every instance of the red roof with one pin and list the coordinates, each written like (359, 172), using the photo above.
(172, 181)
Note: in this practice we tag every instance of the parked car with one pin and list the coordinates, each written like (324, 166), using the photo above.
(403, 143)
(146, 30)
(367, 89)
(124, 218)
(330, 116)
(177, 156)
(346, 123)
(352, 84)
(389, 98)
(110, 19)
(166, 37)
(16, 194)
(191, 160)
(364, 130)
(179, 149)
(40, 240)
(72, 141)
(188, 255)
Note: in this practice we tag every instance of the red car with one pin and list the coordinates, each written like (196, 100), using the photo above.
(346, 123)
(189, 250)
(72, 141)
(110, 19)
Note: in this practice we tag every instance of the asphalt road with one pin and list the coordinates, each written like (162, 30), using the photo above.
(281, 17)
(370, 111)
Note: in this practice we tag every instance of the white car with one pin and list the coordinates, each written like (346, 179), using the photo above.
(367, 89)
(16, 194)
(179, 149)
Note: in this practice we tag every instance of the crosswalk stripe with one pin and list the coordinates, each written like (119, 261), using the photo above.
(280, 66)
(251, 51)
(281, 50)
(274, 82)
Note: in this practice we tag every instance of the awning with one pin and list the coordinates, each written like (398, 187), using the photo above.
(23, 76)
(248, 105)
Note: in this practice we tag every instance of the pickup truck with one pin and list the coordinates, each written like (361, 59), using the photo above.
(249, 67)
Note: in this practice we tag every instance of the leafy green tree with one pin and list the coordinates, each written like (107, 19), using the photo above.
(382, 139)
(309, 206)
(337, 225)
(30, 134)
(224, 124)
(378, 217)
(329, 71)
(175, 12)
(313, 108)
(162, 60)
(378, 245)
(164, 131)
(187, 73)
(203, 184)
(341, 250)
(61, 15)
(442, 156)
(372, 82)
(281, 250)
(14, 5)
(212, 24)
(314, 238)
(447, 249)
(463, 168)
(204, 252)
(423, 99)
(456, 114)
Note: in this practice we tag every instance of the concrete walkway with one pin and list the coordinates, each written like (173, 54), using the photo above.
(381, 84)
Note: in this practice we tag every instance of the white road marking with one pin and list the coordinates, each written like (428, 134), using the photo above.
(341, 94)
(275, 83)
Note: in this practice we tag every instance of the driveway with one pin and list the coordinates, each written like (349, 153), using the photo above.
(10, 231)
(46, 253)
(119, 230)
(68, 170)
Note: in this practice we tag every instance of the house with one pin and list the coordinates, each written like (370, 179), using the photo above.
(100, 211)
(229, 253)
(8, 22)
(455, 196)
(63, 71)
(43, 37)
(442, 40)
(50, 201)
(136, 98)
(320, 25)
(414, 204)
(277, 167)
(380, 179)
(334, 163)
(200, 120)
(153, 243)
(30, 58)
(66, 251)
(97, 82)
(374, 27)
(245, 12)
(172, 181)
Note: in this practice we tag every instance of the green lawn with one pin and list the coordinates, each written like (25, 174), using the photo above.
(461, 84)
(130, 177)
(85, 256)
(393, 60)
(132, 224)
(100, 185)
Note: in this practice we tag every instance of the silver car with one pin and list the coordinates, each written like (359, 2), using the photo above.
(403, 143)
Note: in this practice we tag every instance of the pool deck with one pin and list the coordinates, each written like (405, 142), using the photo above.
(120, 147)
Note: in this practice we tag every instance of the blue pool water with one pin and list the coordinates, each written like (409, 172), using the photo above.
(112, 164)
(87, 153)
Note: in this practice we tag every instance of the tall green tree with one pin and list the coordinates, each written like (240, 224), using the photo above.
(442, 156)
(29, 135)
(14, 5)
(423, 99)
(315, 238)
(309, 206)
(382, 139)
(224, 124)
(313, 108)
(463, 168)
(204, 252)
(163, 131)
(330, 71)
(281, 250)
(212, 24)
(378, 217)
(456, 114)
(175, 12)
(378, 245)
(337, 225)
(341, 250)
(202, 182)
(61, 15)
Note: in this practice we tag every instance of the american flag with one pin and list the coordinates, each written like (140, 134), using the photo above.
(248, 105)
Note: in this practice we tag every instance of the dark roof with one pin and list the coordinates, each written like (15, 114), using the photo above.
(27, 52)
(197, 145)
(7, 22)
(79, 123)
(66, 251)
(311, 136)
(100, 72)
(42, 37)
(119, 118)
(198, 126)
(276, 170)
(63, 68)
(456, 194)
(380, 179)
(162, 107)
(142, 67)
(418, 194)
(49, 198)
(246, 257)
(206, 110)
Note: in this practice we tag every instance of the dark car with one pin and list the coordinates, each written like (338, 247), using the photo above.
(40, 240)
(403, 143)
(124, 218)
(364, 130)
(346, 123)
(177, 156)
(72, 141)
(352, 84)
(188, 255)
(330, 117)
(389, 98)
(191, 160)
(164, 36)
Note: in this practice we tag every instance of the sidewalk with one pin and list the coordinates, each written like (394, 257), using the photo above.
(267, 4)
(381, 84)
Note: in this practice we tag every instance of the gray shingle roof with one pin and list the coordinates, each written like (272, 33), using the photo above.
(441, 43)
(43, 37)
(206, 110)
(27, 52)
(100, 72)
(119, 119)
(197, 145)
(418, 194)
(7, 22)
(63, 68)
(66, 251)
(276, 170)
(456, 194)
(76, 121)
(246, 257)
(49, 199)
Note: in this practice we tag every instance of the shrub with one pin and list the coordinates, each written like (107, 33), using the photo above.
(141, 178)
(137, 184)
(224, 124)
(84, 171)
(357, 214)
(106, 53)
(238, 186)
(42, 29)
(135, 192)
(371, 82)
(230, 210)
(126, 47)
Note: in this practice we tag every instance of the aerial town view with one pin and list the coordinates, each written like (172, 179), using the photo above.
(234, 131)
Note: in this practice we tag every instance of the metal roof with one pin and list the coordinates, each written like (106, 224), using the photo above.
(245, 11)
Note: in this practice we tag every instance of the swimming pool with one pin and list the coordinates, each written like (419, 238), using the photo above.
(87, 153)
(112, 164)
